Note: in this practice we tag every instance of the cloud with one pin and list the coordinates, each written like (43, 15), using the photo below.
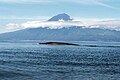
(97, 2)
(25, 1)
(84, 2)
(105, 5)
(109, 24)
(35, 24)
(25, 18)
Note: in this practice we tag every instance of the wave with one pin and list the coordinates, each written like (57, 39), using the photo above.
(101, 46)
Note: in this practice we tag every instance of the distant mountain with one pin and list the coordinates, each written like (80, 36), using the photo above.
(67, 33)
(64, 17)
(74, 33)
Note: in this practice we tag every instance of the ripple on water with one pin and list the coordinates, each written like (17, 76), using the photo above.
(40, 62)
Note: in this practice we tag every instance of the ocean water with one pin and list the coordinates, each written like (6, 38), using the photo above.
(27, 60)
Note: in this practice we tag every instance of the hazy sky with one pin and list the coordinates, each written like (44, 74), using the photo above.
(18, 11)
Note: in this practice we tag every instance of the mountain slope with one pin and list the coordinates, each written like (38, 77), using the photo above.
(64, 34)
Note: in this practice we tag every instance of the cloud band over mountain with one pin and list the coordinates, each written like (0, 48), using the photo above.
(51, 24)
(111, 24)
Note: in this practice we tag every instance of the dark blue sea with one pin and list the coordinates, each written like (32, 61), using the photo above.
(27, 60)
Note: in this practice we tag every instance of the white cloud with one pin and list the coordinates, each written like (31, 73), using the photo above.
(25, 1)
(109, 24)
(105, 5)
(35, 24)
(102, 3)
(42, 1)
(26, 18)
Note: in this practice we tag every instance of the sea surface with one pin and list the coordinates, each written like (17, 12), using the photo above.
(27, 60)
